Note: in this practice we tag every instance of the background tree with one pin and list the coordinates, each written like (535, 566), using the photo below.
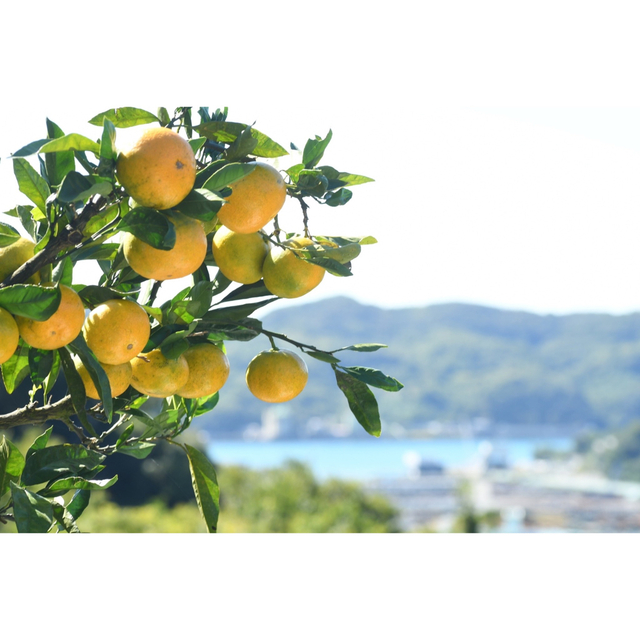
(167, 195)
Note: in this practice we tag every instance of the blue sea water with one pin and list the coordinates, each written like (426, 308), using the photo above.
(375, 458)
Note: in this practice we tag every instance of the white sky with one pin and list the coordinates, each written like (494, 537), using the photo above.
(534, 208)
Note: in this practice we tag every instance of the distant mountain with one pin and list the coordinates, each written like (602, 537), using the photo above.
(457, 362)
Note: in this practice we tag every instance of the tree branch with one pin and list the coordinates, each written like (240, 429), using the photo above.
(32, 414)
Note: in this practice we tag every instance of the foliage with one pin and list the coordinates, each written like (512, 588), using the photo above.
(289, 499)
(616, 452)
(78, 210)
(279, 500)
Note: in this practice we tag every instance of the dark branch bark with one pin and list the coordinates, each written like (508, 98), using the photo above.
(32, 414)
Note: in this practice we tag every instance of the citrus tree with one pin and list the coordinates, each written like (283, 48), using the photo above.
(196, 195)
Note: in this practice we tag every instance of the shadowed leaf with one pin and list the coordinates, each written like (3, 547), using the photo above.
(205, 487)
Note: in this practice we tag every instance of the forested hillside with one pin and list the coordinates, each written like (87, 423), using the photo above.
(457, 362)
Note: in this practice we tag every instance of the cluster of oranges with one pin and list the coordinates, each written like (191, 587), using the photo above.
(159, 171)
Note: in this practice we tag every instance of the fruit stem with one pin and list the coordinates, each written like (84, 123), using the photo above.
(305, 217)
(273, 344)
(276, 228)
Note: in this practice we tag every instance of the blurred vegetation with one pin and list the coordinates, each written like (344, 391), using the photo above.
(458, 362)
(155, 496)
(616, 453)
(289, 499)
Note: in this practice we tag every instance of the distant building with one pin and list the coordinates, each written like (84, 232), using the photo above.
(419, 467)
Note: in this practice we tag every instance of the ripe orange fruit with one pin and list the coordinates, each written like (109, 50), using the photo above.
(186, 256)
(14, 256)
(239, 256)
(116, 331)
(158, 170)
(276, 376)
(119, 378)
(208, 370)
(61, 328)
(9, 335)
(288, 276)
(256, 199)
(156, 376)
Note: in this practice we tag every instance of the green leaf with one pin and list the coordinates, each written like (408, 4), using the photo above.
(95, 370)
(40, 363)
(30, 149)
(206, 404)
(8, 235)
(93, 295)
(61, 460)
(30, 301)
(16, 368)
(315, 256)
(242, 146)
(197, 144)
(341, 179)
(78, 503)
(106, 251)
(374, 378)
(322, 356)
(255, 290)
(71, 142)
(31, 183)
(63, 272)
(108, 153)
(51, 379)
(66, 522)
(227, 132)
(189, 304)
(108, 141)
(311, 182)
(228, 174)
(237, 312)
(362, 347)
(124, 117)
(27, 215)
(159, 334)
(346, 241)
(361, 401)
(75, 482)
(151, 227)
(204, 174)
(76, 388)
(173, 347)
(163, 116)
(239, 332)
(314, 150)
(345, 253)
(125, 434)
(338, 198)
(200, 204)
(58, 164)
(205, 487)
(33, 513)
(139, 450)
(175, 343)
(294, 171)
(11, 464)
(76, 187)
